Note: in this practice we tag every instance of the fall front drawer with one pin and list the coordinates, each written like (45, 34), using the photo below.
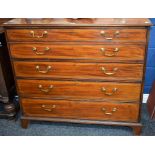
(103, 71)
(96, 52)
(79, 90)
(102, 35)
(81, 109)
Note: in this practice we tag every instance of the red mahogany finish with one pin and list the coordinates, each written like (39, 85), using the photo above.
(85, 70)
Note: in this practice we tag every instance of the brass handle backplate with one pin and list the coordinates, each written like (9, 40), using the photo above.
(103, 33)
(38, 36)
(114, 90)
(45, 90)
(109, 73)
(48, 107)
(109, 113)
(43, 71)
(40, 52)
(115, 52)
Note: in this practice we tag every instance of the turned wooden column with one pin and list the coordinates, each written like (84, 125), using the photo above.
(7, 85)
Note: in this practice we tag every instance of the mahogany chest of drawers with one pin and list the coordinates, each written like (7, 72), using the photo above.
(79, 70)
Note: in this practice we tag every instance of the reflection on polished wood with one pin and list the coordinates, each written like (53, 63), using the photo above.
(79, 22)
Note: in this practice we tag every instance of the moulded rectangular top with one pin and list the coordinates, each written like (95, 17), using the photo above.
(78, 22)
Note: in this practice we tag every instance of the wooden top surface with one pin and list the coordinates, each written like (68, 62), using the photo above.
(78, 22)
(3, 20)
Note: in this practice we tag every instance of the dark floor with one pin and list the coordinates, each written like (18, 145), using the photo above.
(12, 128)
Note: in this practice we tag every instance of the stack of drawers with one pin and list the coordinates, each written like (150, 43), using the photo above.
(79, 74)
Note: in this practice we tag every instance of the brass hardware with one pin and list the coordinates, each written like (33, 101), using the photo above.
(45, 90)
(115, 51)
(40, 53)
(108, 38)
(34, 48)
(103, 33)
(45, 71)
(114, 90)
(37, 36)
(117, 33)
(102, 49)
(109, 73)
(48, 107)
(47, 48)
(109, 113)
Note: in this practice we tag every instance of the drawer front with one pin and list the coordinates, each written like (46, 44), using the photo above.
(81, 110)
(102, 52)
(117, 34)
(79, 90)
(103, 71)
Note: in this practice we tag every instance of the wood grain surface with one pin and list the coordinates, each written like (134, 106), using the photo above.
(83, 52)
(103, 71)
(80, 110)
(128, 35)
(79, 90)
